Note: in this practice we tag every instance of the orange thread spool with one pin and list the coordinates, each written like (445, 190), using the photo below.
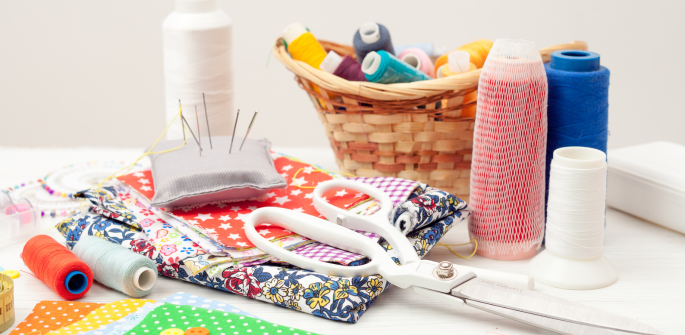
(478, 51)
(57, 267)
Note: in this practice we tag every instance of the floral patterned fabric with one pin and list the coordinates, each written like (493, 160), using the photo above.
(330, 297)
(423, 208)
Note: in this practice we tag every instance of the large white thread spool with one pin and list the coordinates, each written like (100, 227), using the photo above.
(576, 210)
(198, 59)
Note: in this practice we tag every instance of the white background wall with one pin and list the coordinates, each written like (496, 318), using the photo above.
(89, 72)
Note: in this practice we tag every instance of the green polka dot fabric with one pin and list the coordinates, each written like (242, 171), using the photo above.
(217, 322)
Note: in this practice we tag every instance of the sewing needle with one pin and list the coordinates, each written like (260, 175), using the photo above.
(248, 129)
(191, 130)
(207, 119)
(197, 119)
(234, 127)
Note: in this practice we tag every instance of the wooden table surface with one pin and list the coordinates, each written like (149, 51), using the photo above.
(650, 261)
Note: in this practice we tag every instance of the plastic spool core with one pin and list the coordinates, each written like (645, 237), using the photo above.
(293, 31)
(144, 279)
(458, 61)
(412, 60)
(371, 63)
(76, 282)
(574, 61)
(370, 32)
(572, 273)
(331, 62)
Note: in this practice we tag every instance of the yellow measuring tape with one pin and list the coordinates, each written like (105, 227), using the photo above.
(7, 302)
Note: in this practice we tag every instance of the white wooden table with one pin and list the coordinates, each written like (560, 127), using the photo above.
(650, 261)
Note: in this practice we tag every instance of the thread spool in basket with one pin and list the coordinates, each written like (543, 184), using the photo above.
(576, 209)
(117, 267)
(457, 62)
(384, 68)
(57, 267)
(418, 59)
(343, 67)
(508, 162)
(303, 46)
(478, 50)
(370, 37)
(350, 69)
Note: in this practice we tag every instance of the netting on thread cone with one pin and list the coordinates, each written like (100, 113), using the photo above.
(508, 162)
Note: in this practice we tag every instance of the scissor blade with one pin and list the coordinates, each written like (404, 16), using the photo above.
(545, 311)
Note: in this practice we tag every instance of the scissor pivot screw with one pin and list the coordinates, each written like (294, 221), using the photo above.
(444, 271)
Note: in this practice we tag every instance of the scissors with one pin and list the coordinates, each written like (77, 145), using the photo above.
(444, 281)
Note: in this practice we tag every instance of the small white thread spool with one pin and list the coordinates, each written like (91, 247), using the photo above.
(576, 210)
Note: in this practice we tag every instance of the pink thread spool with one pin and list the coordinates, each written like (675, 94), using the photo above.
(418, 59)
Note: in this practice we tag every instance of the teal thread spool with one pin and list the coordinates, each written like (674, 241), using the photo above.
(384, 68)
(117, 267)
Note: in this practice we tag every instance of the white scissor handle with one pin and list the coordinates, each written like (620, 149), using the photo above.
(321, 231)
(377, 223)
(414, 274)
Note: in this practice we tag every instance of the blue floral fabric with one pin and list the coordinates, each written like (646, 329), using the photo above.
(425, 207)
(335, 298)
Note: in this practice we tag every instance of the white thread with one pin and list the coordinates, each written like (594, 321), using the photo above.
(575, 211)
(197, 59)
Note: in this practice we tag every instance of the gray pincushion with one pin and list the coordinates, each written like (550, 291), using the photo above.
(184, 178)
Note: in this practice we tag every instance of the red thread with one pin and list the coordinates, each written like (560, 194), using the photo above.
(51, 262)
(29, 273)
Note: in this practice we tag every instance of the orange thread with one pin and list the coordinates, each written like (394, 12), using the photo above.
(51, 262)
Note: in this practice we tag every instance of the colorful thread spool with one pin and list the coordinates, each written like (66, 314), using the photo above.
(370, 37)
(478, 51)
(303, 46)
(57, 267)
(117, 267)
(457, 62)
(418, 59)
(508, 162)
(384, 68)
(578, 109)
(350, 69)
(23, 211)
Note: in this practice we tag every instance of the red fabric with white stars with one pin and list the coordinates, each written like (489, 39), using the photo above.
(224, 222)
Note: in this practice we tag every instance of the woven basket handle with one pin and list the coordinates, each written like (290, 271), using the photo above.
(575, 45)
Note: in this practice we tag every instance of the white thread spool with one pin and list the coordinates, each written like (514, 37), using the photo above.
(198, 59)
(575, 223)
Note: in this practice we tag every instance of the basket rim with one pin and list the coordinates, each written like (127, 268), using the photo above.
(399, 91)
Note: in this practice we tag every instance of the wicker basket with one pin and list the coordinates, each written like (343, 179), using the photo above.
(414, 130)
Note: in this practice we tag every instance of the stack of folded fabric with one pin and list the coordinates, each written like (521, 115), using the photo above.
(206, 245)
(178, 313)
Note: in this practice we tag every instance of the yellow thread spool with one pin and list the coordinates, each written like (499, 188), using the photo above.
(303, 46)
(307, 49)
